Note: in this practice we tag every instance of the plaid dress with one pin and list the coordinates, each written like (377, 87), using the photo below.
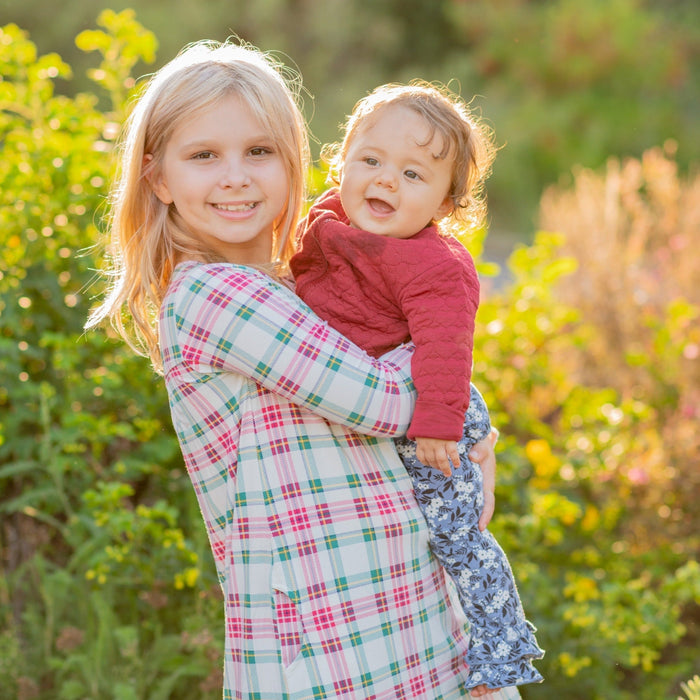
(330, 588)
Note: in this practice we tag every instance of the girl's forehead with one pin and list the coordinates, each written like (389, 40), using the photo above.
(231, 114)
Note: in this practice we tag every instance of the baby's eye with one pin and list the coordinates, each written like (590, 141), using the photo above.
(412, 175)
(371, 161)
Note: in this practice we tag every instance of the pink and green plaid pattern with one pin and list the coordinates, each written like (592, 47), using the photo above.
(330, 588)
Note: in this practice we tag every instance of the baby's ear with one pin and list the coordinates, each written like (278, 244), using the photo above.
(445, 209)
(156, 180)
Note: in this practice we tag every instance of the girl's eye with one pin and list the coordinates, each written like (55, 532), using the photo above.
(412, 175)
(260, 151)
(203, 155)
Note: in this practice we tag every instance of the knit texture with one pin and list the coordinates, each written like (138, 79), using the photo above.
(380, 292)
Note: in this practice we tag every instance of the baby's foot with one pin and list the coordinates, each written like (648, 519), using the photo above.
(483, 691)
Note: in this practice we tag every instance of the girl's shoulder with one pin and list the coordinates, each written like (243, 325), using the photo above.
(199, 284)
(193, 269)
(192, 276)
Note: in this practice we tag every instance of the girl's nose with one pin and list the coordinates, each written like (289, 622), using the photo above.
(234, 174)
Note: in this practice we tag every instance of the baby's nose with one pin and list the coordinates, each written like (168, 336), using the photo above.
(386, 178)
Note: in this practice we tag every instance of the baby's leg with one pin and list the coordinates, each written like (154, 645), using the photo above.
(502, 642)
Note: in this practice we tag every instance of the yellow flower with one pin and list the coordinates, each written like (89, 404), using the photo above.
(540, 454)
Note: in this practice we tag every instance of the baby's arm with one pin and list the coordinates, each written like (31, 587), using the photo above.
(235, 319)
(435, 452)
(440, 305)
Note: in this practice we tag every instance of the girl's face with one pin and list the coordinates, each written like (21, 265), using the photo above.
(392, 182)
(225, 175)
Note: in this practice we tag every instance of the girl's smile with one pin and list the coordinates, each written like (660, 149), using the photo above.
(236, 207)
(225, 176)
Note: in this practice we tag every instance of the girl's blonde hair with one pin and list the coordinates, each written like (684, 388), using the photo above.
(464, 137)
(148, 238)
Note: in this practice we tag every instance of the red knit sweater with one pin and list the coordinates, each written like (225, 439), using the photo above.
(380, 292)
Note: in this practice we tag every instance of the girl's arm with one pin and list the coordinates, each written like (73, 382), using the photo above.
(232, 318)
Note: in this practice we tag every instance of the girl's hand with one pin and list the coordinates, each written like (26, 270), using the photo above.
(437, 453)
(483, 454)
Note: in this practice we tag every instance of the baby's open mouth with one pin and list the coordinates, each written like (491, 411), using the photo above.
(380, 206)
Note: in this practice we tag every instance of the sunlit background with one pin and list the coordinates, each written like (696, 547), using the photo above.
(563, 82)
(587, 346)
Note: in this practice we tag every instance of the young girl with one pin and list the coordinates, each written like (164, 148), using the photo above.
(330, 589)
(376, 265)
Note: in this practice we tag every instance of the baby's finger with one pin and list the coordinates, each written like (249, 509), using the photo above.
(429, 458)
(453, 454)
(442, 462)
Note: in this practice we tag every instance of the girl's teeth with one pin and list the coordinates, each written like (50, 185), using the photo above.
(235, 207)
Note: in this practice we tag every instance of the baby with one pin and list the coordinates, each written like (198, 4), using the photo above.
(378, 262)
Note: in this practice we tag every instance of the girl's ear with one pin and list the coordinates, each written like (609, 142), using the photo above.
(156, 181)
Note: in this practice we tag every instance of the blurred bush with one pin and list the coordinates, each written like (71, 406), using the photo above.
(588, 360)
(102, 593)
(634, 230)
(562, 81)
(590, 364)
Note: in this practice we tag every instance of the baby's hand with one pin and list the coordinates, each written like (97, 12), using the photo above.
(437, 453)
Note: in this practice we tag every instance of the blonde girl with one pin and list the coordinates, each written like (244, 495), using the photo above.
(330, 589)
(148, 237)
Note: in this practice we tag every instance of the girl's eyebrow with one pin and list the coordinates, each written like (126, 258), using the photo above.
(206, 141)
(198, 143)
(262, 136)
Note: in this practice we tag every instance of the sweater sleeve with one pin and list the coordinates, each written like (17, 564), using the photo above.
(232, 318)
(441, 306)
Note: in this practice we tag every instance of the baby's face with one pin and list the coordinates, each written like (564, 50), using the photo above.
(393, 183)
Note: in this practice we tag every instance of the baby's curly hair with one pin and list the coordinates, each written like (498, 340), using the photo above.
(464, 136)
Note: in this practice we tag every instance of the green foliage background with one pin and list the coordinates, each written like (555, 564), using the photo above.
(108, 589)
(563, 82)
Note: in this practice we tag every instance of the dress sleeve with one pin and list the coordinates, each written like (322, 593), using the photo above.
(232, 318)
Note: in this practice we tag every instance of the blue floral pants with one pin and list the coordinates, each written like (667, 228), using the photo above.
(502, 642)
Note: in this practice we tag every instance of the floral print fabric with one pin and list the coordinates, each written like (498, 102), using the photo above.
(502, 642)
